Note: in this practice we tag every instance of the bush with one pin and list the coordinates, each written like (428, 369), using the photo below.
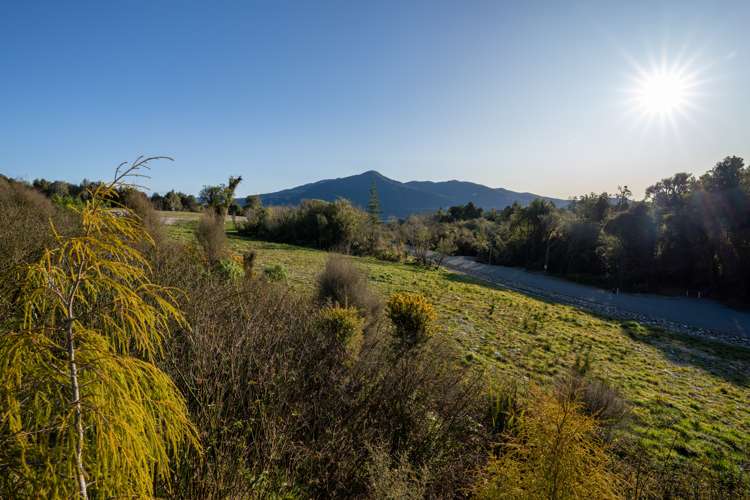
(282, 414)
(211, 237)
(276, 272)
(340, 323)
(143, 208)
(248, 262)
(230, 269)
(597, 398)
(25, 215)
(411, 315)
(343, 284)
(395, 479)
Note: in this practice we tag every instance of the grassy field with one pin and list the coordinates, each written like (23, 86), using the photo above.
(684, 393)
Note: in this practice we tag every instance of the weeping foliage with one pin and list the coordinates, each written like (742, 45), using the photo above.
(554, 453)
(88, 322)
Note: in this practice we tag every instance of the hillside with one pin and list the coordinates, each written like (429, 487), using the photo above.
(401, 199)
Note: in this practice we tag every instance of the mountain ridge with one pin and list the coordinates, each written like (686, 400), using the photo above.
(401, 199)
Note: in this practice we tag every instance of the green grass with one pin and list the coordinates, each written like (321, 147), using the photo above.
(695, 394)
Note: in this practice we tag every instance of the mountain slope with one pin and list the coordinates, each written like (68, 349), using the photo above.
(479, 194)
(401, 199)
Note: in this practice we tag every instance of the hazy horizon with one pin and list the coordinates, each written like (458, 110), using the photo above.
(549, 99)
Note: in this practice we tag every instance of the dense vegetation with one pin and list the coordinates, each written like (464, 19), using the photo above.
(687, 234)
(259, 388)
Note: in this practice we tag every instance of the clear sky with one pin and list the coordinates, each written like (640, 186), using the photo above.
(529, 96)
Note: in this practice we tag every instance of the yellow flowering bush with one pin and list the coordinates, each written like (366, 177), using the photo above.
(343, 323)
(411, 316)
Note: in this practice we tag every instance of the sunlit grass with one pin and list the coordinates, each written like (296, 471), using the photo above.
(682, 391)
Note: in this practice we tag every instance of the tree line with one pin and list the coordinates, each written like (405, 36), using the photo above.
(689, 234)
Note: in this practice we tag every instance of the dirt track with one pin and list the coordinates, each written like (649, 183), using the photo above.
(691, 315)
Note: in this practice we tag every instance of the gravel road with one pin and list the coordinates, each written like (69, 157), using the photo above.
(689, 315)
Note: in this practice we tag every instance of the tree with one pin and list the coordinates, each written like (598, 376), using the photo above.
(85, 410)
(220, 198)
(213, 196)
(229, 193)
(373, 205)
(445, 246)
(172, 201)
(623, 198)
(725, 175)
(591, 207)
(632, 254)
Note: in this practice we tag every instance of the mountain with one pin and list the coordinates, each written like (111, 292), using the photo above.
(401, 199)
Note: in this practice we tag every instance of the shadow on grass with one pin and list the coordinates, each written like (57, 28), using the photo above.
(728, 362)
(270, 245)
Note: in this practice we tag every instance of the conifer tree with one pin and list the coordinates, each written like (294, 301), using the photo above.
(84, 411)
(373, 205)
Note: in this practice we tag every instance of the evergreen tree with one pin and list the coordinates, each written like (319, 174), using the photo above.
(84, 410)
(373, 205)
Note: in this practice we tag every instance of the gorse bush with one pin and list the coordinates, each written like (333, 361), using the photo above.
(411, 316)
(329, 225)
(341, 323)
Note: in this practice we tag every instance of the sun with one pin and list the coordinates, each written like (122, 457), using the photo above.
(665, 93)
(662, 92)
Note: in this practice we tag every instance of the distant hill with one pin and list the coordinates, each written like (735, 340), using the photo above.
(401, 199)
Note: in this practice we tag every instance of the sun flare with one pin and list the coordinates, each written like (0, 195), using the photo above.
(665, 93)
(662, 92)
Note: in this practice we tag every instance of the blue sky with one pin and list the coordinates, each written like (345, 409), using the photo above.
(530, 96)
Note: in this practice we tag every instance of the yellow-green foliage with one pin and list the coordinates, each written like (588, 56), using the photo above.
(411, 315)
(343, 323)
(554, 453)
(83, 407)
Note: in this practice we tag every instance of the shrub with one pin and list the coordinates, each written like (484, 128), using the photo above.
(276, 272)
(340, 323)
(144, 209)
(230, 269)
(411, 315)
(284, 415)
(211, 237)
(343, 284)
(25, 215)
(395, 479)
(391, 252)
(555, 453)
(248, 262)
(597, 398)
